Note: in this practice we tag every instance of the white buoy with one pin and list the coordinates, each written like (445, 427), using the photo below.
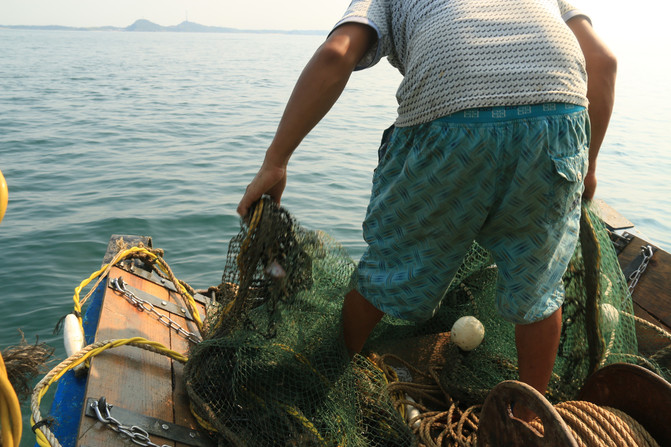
(609, 317)
(411, 412)
(467, 333)
(73, 336)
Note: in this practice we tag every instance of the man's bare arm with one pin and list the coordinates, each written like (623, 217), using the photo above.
(318, 88)
(601, 72)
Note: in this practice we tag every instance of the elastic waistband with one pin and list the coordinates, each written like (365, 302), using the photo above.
(505, 113)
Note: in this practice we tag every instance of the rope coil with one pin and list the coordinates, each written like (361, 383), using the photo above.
(589, 424)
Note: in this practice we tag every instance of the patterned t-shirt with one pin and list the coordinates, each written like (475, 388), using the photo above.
(464, 54)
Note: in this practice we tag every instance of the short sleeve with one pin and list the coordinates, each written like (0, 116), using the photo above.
(372, 13)
(568, 11)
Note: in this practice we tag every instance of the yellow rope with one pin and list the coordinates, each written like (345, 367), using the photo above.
(201, 420)
(298, 414)
(302, 359)
(121, 255)
(10, 411)
(4, 196)
(43, 435)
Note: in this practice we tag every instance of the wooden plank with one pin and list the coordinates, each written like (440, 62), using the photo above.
(653, 291)
(134, 379)
(612, 219)
(649, 341)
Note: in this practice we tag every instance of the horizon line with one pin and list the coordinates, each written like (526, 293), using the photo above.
(212, 28)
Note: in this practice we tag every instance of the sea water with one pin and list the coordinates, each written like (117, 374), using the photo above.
(158, 134)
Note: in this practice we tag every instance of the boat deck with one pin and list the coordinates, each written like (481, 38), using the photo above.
(141, 385)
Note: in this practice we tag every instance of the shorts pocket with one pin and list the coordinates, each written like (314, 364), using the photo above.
(572, 167)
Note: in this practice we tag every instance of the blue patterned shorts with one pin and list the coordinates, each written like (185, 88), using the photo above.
(510, 178)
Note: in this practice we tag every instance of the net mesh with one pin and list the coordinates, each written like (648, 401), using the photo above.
(273, 370)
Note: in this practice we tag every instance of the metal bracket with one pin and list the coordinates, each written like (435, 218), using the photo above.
(155, 426)
(152, 277)
(158, 302)
(620, 241)
(636, 263)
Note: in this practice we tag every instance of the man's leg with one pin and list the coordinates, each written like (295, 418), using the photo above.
(359, 318)
(537, 345)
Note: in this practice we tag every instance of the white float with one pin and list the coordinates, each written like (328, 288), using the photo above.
(609, 317)
(467, 333)
(73, 336)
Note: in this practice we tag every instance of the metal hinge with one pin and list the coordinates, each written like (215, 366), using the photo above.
(153, 426)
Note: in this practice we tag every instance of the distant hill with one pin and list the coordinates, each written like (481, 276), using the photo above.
(143, 25)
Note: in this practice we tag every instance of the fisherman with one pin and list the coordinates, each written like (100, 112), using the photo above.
(502, 109)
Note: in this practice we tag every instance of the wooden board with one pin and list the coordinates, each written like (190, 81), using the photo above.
(134, 379)
(652, 295)
(612, 219)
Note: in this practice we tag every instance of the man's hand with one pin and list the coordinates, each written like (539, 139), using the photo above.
(269, 180)
(590, 186)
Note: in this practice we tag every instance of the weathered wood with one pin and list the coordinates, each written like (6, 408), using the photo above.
(132, 378)
(653, 291)
(140, 381)
(499, 428)
(636, 391)
(612, 219)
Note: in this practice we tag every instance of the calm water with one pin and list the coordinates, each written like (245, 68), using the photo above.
(158, 134)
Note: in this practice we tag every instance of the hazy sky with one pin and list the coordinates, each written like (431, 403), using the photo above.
(246, 14)
(612, 16)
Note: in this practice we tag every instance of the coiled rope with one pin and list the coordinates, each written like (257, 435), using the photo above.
(449, 426)
(44, 436)
(595, 426)
(589, 424)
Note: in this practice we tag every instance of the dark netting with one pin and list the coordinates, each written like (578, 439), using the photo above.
(273, 370)
(598, 324)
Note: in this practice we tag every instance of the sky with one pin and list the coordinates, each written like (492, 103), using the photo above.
(243, 14)
(613, 16)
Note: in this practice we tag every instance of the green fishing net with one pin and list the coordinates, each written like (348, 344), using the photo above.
(273, 370)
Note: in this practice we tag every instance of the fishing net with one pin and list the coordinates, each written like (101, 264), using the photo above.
(273, 370)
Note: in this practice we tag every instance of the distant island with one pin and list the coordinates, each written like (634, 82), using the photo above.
(143, 25)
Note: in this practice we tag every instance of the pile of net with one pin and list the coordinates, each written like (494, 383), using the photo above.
(273, 370)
